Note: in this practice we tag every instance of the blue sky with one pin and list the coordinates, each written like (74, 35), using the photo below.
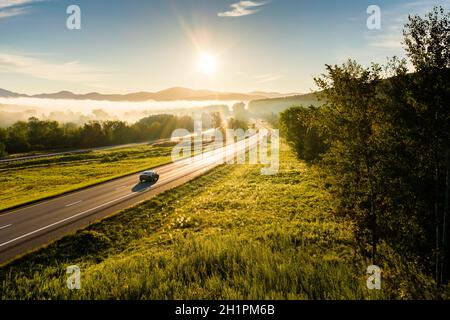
(149, 45)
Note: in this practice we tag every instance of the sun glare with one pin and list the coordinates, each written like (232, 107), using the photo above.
(207, 64)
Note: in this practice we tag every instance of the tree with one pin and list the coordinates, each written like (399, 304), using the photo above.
(3, 137)
(217, 120)
(349, 115)
(299, 126)
(93, 135)
(237, 124)
(240, 112)
(44, 134)
(427, 41)
(17, 140)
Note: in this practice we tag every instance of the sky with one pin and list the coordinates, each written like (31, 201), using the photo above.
(224, 45)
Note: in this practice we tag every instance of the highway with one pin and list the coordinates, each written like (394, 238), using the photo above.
(31, 227)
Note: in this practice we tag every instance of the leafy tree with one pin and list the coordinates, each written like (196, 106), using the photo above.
(93, 135)
(298, 125)
(217, 120)
(237, 124)
(427, 41)
(3, 137)
(350, 114)
(17, 140)
(240, 113)
(44, 134)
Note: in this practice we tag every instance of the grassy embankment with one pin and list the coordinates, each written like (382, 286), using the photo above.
(32, 180)
(230, 234)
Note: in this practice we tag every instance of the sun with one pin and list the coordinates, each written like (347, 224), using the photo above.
(207, 63)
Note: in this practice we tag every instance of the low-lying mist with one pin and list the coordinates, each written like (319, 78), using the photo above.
(82, 111)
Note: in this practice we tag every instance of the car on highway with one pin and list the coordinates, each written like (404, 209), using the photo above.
(149, 176)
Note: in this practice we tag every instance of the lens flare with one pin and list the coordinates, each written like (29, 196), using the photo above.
(207, 64)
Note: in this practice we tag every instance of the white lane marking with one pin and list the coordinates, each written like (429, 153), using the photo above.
(74, 203)
(180, 163)
(63, 220)
(81, 213)
(69, 218)
(7, 226)
(163, 167)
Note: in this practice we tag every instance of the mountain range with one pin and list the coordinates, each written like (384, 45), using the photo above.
(171, 94)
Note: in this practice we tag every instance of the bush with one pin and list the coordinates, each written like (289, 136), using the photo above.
(297, 124)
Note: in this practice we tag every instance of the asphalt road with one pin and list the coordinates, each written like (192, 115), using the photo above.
(33, 226)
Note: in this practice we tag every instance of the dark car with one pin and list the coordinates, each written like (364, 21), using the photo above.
(149, 176)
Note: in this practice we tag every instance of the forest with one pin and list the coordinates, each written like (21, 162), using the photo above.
(35, 134)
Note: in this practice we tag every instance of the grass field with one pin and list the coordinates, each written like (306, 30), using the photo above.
(32, 180)
(230, 234)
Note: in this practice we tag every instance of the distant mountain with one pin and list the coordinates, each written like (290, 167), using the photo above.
(179, 93)
(8, 94)
(264, 107)
(176, 93)
(272, 95)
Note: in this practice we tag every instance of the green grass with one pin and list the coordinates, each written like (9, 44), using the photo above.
(230, 234)
(32, 180)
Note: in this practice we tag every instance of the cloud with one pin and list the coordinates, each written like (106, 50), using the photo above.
(13, 12)
(11, 8)
(267, 78)
(243, 8)
(14, 3)
(262, 78)
(72, 71)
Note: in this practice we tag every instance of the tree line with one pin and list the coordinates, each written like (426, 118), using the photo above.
(35, 134)
(382, 137)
